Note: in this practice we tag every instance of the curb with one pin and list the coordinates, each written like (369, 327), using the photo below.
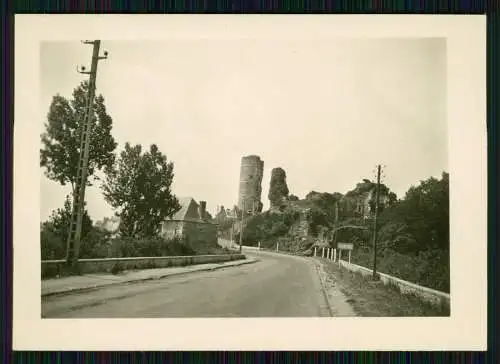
(323, 287)
(96, 287)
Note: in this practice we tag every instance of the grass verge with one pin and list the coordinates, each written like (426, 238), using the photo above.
(374, 299)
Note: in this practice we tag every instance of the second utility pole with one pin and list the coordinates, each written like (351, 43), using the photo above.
(241, 225)
(377, 193)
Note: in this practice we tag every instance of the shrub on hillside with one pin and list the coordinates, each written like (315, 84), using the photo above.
(267, 226)
(429, 268)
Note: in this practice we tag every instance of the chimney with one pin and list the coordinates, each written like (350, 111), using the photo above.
(203, 209)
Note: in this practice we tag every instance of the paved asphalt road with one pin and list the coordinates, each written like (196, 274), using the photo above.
(275, 286)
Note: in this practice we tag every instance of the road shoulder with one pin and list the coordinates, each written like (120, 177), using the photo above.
(371, 298)
(337, 301)
(91, 282)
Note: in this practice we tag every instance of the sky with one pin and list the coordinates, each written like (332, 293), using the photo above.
(325, 111)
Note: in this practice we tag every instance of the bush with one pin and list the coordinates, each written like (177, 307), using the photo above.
(97, 244)
(268, 226)
(51, 243)
(428, 268)
(148, 247)
(117, 268)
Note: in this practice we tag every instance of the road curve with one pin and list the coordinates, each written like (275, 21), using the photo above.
(275, 286)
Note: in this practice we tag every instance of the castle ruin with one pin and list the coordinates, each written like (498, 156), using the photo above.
(250, 191)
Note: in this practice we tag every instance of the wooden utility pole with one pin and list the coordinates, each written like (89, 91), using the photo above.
(75, 228)
(232, 231)
(336, 212)
(241, 224)
(377, 195)
(333, 235)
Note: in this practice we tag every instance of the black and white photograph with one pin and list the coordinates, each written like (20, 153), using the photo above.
(246, 177)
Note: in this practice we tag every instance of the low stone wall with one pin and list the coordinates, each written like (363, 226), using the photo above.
(248, 247)
(228, 244)
(426, 294)
(53, 268)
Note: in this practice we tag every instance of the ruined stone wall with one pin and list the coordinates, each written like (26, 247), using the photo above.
(278, 189)
(250, 191)
(301, 227)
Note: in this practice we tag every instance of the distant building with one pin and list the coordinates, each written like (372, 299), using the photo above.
(360, 202)
(225, 214)
(110, 225)
(221, 214)
(191, 222)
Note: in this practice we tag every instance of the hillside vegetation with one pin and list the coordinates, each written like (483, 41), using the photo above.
(413, 232)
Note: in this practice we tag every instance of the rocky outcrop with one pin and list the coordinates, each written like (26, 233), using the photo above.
(301, 227)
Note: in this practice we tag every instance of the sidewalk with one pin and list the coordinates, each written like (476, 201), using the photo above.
(90, 282)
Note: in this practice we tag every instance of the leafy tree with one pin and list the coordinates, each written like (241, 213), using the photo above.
(54, 232)
(95, 244)
(61, 139)
(395, 236)
(278, 188)
(139, 187)
(419, 221)
(427, 212)
(312, 194)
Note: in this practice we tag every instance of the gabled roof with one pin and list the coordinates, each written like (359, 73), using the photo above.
(188, 210)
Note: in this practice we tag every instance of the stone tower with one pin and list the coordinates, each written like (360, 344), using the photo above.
(251, 172)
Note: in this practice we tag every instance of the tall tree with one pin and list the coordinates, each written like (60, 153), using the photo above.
(139, 187)
(61, 139)
(424, 213)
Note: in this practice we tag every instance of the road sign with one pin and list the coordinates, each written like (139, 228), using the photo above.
(345, 246)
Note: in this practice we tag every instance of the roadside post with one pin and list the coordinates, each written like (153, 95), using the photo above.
(345, 246)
